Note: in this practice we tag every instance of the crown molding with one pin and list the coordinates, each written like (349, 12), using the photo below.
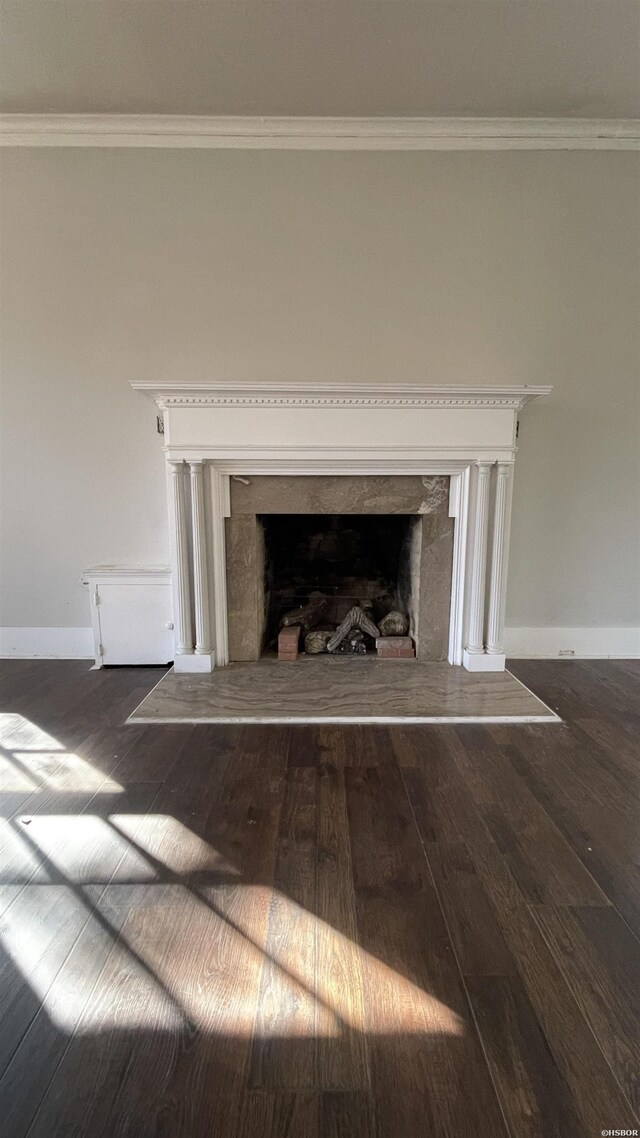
(230, 132)
(168, 395)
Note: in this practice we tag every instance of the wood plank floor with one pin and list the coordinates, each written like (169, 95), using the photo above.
(317, 931)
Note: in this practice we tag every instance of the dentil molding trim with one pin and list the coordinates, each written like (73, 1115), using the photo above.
(239, 132)
(336, 395)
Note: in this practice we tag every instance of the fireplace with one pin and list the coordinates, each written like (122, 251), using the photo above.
(436, 462)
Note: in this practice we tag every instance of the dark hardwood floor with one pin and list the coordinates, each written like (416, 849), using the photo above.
(313, 932)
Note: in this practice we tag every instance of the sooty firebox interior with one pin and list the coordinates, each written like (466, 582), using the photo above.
(347, 558)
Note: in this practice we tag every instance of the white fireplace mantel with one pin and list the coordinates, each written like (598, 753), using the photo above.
(213, 431)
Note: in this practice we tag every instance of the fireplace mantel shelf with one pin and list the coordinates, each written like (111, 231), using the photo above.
(214, 431)
(338, 395)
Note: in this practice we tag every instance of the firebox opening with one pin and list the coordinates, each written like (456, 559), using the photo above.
(371, 560)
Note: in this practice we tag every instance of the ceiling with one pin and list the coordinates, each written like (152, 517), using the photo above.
(575, 58)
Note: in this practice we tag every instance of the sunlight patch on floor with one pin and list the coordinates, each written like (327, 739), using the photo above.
(18, 733)
(85, 849)
(14, 778)
(167, 840)
(100, 985)
(65, 771)
(188, 954)
(19, 861)
(31, 759)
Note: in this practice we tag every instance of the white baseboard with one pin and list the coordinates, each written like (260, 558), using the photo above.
(46, 643)
(523, 643)
(579, 643)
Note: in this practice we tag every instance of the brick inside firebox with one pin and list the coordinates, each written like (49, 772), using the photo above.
(395, 647)
(288, 641)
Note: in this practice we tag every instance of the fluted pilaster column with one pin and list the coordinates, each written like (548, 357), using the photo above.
(220, 509)
(180, 559)
(200, 571)
(498, 578)
(475, 645)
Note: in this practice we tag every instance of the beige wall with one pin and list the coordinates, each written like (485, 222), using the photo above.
(448, 268)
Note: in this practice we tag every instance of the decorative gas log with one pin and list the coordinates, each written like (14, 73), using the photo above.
(307, 615)
(316, 642)
(394, 624)
(349, 637)
(352, 645)
(356, 618)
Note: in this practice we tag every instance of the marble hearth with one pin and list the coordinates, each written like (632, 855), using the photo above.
(238, 452)
(330, 689)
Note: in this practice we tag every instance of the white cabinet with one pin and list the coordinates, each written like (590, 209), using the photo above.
(131, 614)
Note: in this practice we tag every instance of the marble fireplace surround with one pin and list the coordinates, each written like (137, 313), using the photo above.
(214, 431)
(423, 499)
